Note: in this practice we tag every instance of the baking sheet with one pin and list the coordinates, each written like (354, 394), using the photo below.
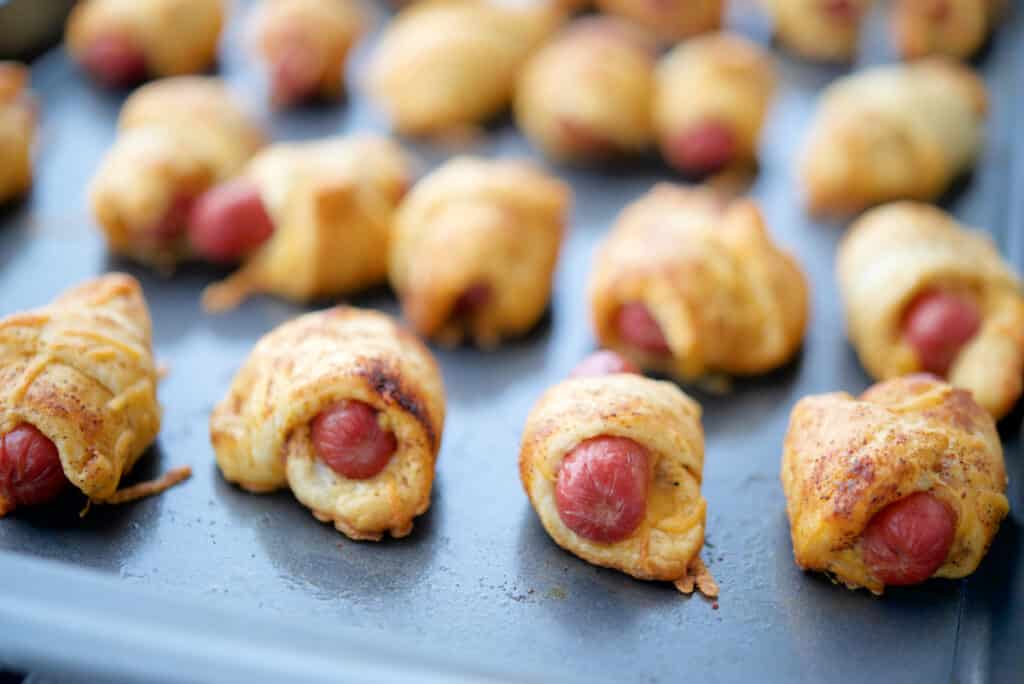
(479, 577)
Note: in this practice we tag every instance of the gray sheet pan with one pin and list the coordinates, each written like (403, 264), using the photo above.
(209, 582)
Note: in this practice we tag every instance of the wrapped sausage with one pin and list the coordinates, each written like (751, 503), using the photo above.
(688, 285)
(305, 44)
(588, 93)
(826, 30)
(712, 97)
(669, 20)
(346, 409)
(893, 132)
(176, 138)
(17, 131)
(924, 294)
(309, 219)
(475, 248)
(903, 484)
(612, 463)
(447, 64)
(79, 400)
(122, 42)
(957, 28)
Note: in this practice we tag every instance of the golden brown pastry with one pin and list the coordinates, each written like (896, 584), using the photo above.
(122, 42)
(17, 131)
(712, 96)
(475, 247)
(305, 44)
(612, 464)
(346, 409)
(903, 484)
(957, 28)
(310, 219)
(446, 64)
(78, 400)
(669, 20)
(587, 94)
(826, 30)
(176, 138)
(893, 132)
(688, 285)
(922, 293)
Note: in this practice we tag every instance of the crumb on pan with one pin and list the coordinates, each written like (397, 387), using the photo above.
(698, 577)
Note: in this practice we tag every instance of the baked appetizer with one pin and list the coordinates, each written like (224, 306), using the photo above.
(122, 42)
(893, 132)
(474, 249)
(309, 220)
(922, 293)
(824, 30)
(612, 463)
(957, 28)
(176, 138)
(712, 96)
(305, 44)
(669, 20)
(903, 484)
(588, 93)
(442, 65)
(346, 409)
(691, 286)
(17, 131)
(78, 405)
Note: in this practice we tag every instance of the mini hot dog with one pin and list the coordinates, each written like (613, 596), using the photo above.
(957, 28)
(441, 66)
(123, 42)
(306, 220)
(346, 409)
(176, 138)
(587, 94)
(893, 132)
(612, 464)
(17, 131)
(475, 247)
(905, 483)
(827, 30)
(305, 44)
(669, 20)
(604, 362)
(712, 97)
(924, 294)
(78, 405)
(689, 285)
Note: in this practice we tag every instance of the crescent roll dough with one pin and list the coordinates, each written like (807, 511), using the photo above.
(720, 79)
(17, 131)
(325, 30)
(445, 64)
(176, 37)
(957, 28)
(670, 20)
(588, 92)
(893, 132)
(654, 414)
(332, 203)
(176, 138)
(475, 248)
(261, 431)
(895, 252)
(818, 29)
(726, 299)
(846, 459)
(81, 371)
